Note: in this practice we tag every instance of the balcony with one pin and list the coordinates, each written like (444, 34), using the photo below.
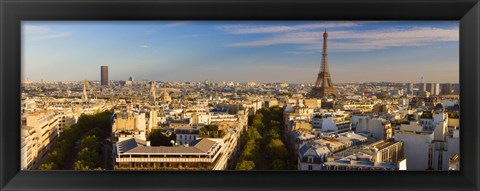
(207, 160)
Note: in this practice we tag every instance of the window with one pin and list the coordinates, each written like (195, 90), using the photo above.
(310, 159)
(310, 167)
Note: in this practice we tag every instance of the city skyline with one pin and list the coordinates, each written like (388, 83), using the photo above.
(241, 51)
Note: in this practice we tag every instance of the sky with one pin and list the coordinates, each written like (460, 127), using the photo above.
(241, 51)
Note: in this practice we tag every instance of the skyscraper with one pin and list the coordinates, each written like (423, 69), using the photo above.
(430, 88)
(423, 86)
(446, 89)
(104, 75)
(84, 95)
(323, 86)
(409, 88)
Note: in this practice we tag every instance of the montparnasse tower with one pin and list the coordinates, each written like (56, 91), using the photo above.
(323, 86)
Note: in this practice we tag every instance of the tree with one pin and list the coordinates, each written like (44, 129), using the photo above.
(157, 138)
(272, 134)
(276, 149)
(80, 165)
(211, 131)
(91, 142)
(278, 164)
(258, 116)
(250, 151)
(57, 156)
(47, 166)
(245, 165)
(89, 157)
(252, 133)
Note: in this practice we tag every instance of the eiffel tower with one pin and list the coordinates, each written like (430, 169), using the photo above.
(323, 86)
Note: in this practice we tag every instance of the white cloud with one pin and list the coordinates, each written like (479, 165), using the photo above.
(301, 52)
(39, 33)
(176, 23)
(144, 46)
(256, 29)
(359, 40)
(29, 29)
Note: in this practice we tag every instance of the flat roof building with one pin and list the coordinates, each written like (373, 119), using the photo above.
(202, 154)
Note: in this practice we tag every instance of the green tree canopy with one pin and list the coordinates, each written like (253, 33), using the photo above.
(252, 133)
(47, 166)
(245, 165)
(80, 165)
(278, 164)
(157, 138)
(211, 131)
(276, 149)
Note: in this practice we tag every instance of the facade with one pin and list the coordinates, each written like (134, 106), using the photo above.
(332, 122)
(40, 130)
(312, 103)
(386, 151)
(379, 128)
(185, 136)
(28, 148)
(104, 75)
(130, 122)
(66, 118)
(358, 106)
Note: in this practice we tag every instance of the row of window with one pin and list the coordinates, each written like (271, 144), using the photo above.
(187, 137)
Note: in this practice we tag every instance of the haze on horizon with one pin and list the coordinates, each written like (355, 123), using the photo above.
(241, 51)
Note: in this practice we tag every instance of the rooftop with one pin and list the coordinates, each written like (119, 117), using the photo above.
(131, 146)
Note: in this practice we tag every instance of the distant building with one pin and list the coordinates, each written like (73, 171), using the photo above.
(409, 88)
(430, 88)
(104, 75)
(436, 89)
(446, 89)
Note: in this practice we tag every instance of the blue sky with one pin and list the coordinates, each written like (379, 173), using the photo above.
(241, 51)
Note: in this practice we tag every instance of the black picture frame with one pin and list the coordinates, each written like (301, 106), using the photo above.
(12, 12)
